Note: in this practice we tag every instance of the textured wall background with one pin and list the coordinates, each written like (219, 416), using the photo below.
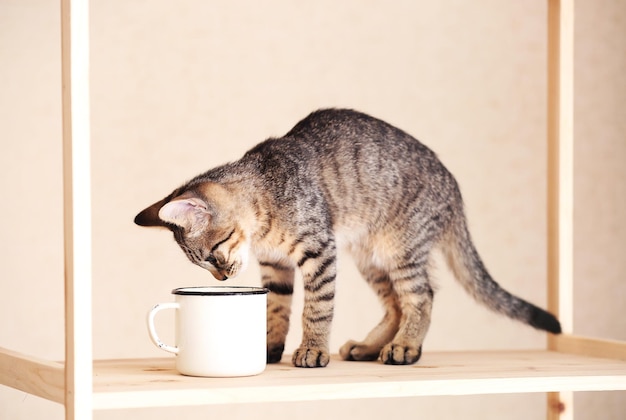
(180, 87)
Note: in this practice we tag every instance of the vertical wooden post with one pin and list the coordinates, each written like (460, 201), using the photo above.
(561, 180)
(77, 209)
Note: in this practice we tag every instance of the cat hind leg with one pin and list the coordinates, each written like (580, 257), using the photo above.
(415, 298)
(383, 333)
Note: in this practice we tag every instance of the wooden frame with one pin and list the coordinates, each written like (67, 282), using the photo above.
(569, 363)
(561, 181)
(77, 208)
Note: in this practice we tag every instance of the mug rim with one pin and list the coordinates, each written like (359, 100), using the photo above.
(219, 290)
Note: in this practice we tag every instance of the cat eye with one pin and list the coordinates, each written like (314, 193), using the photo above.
(211, 260)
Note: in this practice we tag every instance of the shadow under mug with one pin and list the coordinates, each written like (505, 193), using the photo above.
(220, 330)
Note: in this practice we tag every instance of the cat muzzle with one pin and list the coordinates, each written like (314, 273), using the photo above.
(220, 276)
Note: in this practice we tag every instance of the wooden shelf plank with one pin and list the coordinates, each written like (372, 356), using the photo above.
(592, 347)
(35, 376)
(154, 382)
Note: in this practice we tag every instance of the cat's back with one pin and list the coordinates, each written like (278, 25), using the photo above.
(344, 147)
(355, 158)
(343, 136)
(335, 127)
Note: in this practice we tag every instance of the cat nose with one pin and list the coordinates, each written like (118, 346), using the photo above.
(219, 275)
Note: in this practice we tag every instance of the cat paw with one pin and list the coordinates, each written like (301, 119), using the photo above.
(310, 357)
(394, 354)
(354, 350)
(275, 353)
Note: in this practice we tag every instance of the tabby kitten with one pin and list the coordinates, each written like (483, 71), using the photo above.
(339, 178)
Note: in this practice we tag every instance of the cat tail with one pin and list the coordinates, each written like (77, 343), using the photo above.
(470, 271)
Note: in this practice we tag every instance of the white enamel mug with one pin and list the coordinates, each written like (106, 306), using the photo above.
(220, 331)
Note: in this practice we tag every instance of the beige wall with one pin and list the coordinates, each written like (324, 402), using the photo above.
(180, 87)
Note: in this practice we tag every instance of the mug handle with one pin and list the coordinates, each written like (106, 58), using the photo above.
(152, 330)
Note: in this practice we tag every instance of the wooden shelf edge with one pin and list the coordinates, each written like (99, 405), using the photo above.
(35, 376)
(354, 391)
(120, 384)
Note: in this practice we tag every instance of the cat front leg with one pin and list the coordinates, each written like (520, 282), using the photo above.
(319, 271)
(277, 277)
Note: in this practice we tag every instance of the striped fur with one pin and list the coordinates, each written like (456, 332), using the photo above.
(339, 178)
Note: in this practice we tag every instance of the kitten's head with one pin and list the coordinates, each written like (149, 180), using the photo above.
(206, 222)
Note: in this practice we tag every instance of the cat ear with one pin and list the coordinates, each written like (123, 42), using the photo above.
(187, 211)
(150, 216)
(191, 213)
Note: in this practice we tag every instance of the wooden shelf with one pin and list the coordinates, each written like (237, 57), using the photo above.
(155, 383)
(136, 383)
